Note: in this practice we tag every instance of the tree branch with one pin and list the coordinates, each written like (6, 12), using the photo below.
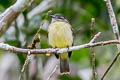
(24, 66)
(92, 49)
(116, 33)
(10, 14)
(57, 50)
(95, 37)
(54, 70)
(109, 67)
(113, 19)
(35, 40)
(44, 5)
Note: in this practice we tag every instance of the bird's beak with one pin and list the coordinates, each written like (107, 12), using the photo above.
(52, 16)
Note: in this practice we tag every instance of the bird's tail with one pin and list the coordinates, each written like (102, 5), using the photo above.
(64, 63)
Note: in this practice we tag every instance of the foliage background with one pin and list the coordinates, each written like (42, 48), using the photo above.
(79, 13)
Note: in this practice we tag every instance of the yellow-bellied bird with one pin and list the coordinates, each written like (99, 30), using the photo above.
(60, 36)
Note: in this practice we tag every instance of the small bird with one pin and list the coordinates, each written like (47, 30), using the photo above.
(60, 35)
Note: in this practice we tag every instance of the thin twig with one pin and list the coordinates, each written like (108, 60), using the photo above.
(108, 69)
(35, 40)
(116, 33)
(95, 37)
(54, 70)
(24, 66)
(92, 49)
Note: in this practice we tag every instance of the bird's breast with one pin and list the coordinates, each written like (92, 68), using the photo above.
(60, 34)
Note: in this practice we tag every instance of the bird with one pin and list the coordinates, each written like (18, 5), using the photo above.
(60, 35)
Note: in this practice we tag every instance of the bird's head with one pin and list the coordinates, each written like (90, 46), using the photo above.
(58, 17)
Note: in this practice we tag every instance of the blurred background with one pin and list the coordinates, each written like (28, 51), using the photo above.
(79, 13)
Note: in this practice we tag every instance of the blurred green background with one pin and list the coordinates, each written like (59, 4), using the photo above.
(79, 13)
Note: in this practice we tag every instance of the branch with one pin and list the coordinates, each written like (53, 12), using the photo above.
(114, 60)
(95, 37)
(54, 70)
(92, 49)
(113, 19)
(35, 40)
(57, 50)
(44, 5)
(9, 15)
(116, 33)
(28, 58)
